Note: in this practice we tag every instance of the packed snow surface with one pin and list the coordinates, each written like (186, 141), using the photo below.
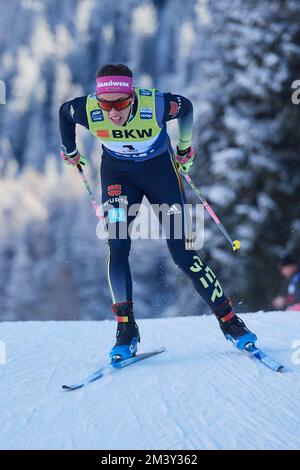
(201, 393)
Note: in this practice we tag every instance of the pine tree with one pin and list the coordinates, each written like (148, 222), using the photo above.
(252, 148)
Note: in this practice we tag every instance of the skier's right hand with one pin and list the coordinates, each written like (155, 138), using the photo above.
(74, 158)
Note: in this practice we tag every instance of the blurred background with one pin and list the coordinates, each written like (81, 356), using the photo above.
(236, 60)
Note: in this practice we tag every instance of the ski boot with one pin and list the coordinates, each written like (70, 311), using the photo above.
(127, 337)
(233, 328)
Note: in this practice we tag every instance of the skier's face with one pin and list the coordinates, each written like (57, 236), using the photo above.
(289, 270)
(116, 117)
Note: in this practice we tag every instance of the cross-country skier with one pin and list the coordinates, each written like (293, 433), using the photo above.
(138, 161)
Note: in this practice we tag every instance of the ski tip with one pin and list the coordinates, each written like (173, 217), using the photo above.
(160, 350)
(157, 351)
(71, 387)
(66, 387)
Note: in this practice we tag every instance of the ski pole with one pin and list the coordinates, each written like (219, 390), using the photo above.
(235, 244)
(91, 194)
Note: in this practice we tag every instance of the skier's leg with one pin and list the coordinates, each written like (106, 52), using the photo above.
(127, 336)
(118, 192)
(167, 188)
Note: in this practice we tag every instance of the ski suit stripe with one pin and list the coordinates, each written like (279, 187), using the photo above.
(187, 220)
(107, 272)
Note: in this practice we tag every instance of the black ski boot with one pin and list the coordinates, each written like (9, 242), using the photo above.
(127, 335)
(233, 328)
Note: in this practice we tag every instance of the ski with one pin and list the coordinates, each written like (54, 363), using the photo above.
(245, 343)
(262, 357)
(100, 372)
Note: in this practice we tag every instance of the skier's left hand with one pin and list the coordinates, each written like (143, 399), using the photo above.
(74, 158)
(185, 159)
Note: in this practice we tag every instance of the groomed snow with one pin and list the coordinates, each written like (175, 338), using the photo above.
(199, 394)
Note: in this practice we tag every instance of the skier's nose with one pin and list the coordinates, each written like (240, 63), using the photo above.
(113, 113)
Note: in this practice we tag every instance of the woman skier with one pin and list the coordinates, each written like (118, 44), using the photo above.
(138, 161)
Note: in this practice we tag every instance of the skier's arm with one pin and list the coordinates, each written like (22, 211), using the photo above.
(71, 113)
(180, 108)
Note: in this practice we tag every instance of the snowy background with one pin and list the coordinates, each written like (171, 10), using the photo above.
(235, 59)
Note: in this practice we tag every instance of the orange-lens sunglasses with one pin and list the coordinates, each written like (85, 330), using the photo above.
(119, 105)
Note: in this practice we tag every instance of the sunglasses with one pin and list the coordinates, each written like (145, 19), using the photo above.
(119, 105)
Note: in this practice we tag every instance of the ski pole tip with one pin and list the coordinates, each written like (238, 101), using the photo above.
(236, 245)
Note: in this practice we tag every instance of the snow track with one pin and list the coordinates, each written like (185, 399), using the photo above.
(199, 394)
